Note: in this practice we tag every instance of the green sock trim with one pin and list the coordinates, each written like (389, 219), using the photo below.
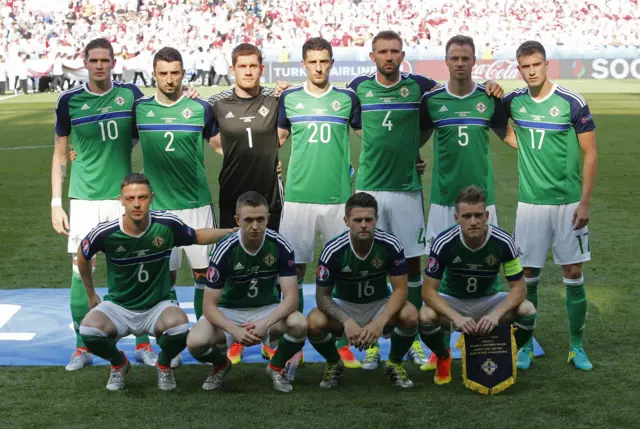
(327, 348)
(341, 342)
(142, 339)
(576, 304)
(213, 355)
(287, 348)
(198, 298)
(532, 290)
(79, 304)
(524, 333)
(434, 337)
(171, 346)
(401, 341)
(104, 347)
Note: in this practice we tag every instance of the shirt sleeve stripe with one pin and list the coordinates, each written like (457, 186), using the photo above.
(439, 243)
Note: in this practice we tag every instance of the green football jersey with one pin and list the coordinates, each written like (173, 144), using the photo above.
(249, 280)
(473, 273)
(138, 275)
(461, 152)
(100, 130)
(359, 280)
(390, 132)
(548, 150)
(319, 166)
(172, 139)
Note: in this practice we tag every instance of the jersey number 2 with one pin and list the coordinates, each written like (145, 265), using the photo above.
(169, 148)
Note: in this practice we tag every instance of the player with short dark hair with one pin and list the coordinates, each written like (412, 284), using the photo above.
(247, 136)
(241, 298)
(554, 129)
(353, 297)
(463, 286)
(138, 301)
(173, 154)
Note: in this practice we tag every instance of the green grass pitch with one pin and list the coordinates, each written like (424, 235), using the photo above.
(551, 395)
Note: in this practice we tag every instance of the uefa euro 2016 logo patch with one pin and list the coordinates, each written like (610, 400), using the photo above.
(213, 275)
(432, 264)
(323, 272)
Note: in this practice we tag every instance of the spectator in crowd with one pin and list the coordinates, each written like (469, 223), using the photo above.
(57, 73)
(3, 75)
(221, 66)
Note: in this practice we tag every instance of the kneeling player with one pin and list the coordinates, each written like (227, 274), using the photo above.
(241, 298)
(137, 247)
(462, 284)
(356, 263)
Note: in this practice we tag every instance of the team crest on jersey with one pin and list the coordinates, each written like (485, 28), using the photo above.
(158, 242)
(323, 272)
(554, 111)
(404, 92)
(263, 111)
(377, 262)
(491, 260)
(269, 260)
(480, 107)
(119, 101)
(336, 105)
(85, 247)
(187, 113)
(213, 275)
(432, 264)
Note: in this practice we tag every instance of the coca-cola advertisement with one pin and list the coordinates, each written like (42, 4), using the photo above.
(483, 70)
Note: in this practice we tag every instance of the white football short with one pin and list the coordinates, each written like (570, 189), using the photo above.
(248, 315)
(475, 308)
(134, 322)
(441, 218)
(539, 225)
(402, 214)
(84, 215)
(302, 221)
(362, 313)
(197, 255)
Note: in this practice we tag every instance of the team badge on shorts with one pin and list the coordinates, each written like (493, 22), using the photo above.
(213, 275)
(85, 247)
(119, 101)
(263, 111)
(432, 264)
(323, 272)
(554, 111)
(336, 105)
(491, 260)
(187, 113)
(404, 92)
(158, 242)
(377, 262)
(269, 260)
(480, 107)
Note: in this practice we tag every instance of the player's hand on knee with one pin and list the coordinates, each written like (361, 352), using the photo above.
(245, 337)
(259, 329)
(94, 300)
(466, 324)
(487, 324)
(352, 331)
(370, 334)
(59, 220)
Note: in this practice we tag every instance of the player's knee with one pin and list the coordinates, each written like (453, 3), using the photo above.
(172, 317)
(531, 273)
(297, 325)
(198, 342)
(572, 271)
(316, 322)
(526, 308)
(408, 316)
(427, 316)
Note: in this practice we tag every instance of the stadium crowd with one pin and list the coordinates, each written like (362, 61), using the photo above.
(206, 31)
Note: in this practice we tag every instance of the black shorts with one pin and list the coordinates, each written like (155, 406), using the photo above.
(228, 210)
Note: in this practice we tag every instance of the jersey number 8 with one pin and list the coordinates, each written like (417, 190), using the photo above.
(472, 285)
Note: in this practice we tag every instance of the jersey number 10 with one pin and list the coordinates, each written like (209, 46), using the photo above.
(110, 130)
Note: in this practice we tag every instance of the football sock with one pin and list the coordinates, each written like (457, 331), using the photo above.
(576, 303)
(300, 296)
(212, 355)
(198, 296)
(172, 342)
(415, 295)
(287, 347)
(102, 345)
(142, 341)
(524, 333)
(342, 342)
(79, 304)
(532, 296)
(327, 348)
(401, 340)
(434, 337)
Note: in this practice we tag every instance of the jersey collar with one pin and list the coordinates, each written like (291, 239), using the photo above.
(392, 85)
(155, 97)
(460, 97)
(486, 239)
(131, 235)
(304, 87)
(542, 100)
(245, 249)
(354, 250)
(86, 88)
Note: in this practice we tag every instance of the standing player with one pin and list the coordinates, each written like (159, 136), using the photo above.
(97, 117)
(463, 286)
(317, 115)
(553, 126)
(391, 141)
(247, 136)
(242, 299)
(137, 247)
(172, 130)
(356, 263)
